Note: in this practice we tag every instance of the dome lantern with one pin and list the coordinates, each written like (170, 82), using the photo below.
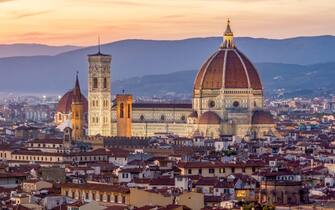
(228, 37)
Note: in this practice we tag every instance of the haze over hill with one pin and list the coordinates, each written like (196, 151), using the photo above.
(136, 58)
(278, 79)
(11, 50)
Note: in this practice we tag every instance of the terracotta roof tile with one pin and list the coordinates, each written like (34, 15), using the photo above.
(230, 66)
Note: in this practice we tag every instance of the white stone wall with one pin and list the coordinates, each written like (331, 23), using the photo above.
(225, 101)
(99, 98)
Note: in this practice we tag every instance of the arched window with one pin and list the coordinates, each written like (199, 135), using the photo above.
(121, 110)
(95, 82)
(105, 82)
(128, 110)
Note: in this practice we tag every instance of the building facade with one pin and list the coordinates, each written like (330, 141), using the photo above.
(77, 108)
(227, 100)
(99, 95)
(71, 101)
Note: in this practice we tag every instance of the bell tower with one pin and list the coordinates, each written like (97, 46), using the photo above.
(77, 109)
(99, 94)
(124, 106)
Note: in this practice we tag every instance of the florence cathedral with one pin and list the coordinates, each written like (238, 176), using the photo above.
(227, 100)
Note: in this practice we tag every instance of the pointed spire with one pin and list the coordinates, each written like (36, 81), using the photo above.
(228, 31)
(76, 90)
(228, 37)
(77, 81)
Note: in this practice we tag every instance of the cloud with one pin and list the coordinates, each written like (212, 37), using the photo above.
(130, 3)
(25, 14)
(115, 2)
(176, 16)
(3, 1)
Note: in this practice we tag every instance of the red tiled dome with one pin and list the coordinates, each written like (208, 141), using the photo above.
(64, 104)
(227, 68)
(209, 117)
(262, 117)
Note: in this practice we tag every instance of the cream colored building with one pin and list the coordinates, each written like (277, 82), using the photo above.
(218, 169)
(102, 193)
(99, 95)
(227, 99)
(35, 185)
(140, 198)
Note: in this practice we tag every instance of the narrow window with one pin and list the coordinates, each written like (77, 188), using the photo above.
(95, 82)
(121, 110)
(105, 82)
(129, 111)
(108, 198)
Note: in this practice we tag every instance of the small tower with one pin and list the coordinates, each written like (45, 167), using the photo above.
(124, 106)
(99, 94)
(228, 37)
(77, 109)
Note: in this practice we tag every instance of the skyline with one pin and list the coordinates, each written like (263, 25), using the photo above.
(79, 22)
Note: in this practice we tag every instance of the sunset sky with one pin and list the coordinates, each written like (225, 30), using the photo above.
(78, 22)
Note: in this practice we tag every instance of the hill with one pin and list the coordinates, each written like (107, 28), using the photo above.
(12, 50)
(278, 79)
(136, 58)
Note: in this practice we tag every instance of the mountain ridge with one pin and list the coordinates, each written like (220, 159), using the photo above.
(135, 57)
(33, 49)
